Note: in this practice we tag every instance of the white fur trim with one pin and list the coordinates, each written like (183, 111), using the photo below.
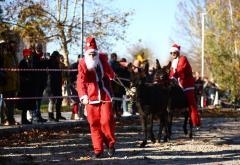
(174, 64)
(174, 49)
(187, 89)
(174, 79)
(86, 53)
(83, 97)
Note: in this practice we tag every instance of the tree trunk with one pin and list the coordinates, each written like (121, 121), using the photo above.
(65, 54)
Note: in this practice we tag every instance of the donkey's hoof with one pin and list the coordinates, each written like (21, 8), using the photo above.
(153, 140)
(143, 144)
(185, 131)
(190, 135)
(166, 139)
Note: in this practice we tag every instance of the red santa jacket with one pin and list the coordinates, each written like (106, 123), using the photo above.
(182, 71)
(87, 84)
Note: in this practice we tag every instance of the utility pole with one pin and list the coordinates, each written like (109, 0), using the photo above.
(231, 14)
(202, 69)
(82, 36)
(203, 23)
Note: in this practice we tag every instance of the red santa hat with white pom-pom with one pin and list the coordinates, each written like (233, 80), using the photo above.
(175, 48)
(90, 46)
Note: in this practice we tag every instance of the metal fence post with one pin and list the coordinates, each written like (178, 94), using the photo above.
(1, 106)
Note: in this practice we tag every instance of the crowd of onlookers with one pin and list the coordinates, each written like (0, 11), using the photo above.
(50, 83)
(28, 87)
(206, 92)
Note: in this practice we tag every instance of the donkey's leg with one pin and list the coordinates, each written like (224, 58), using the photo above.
(170, 118)
(144, 127)
(166, 126)
(160, 129)
(151, 134)
(191, 128)
(185, 122)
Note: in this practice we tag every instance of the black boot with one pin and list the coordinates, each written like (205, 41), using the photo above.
(24, 117)
(60, 117)
(58, 110)
(51, 116)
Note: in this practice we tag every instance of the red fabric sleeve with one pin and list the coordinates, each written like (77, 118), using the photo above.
(109, 71)
(81, 79)
(182, 66)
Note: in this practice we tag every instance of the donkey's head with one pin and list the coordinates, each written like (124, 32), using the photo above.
(161, 75)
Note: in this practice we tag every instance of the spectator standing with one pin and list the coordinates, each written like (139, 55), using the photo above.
(27, 86)
(55, 84)
(117, 89)
(198, 88)
(39, 62)
(181, 71)
(10, 87)
(125, 74)
(73, 92)
(94, 89)
(206, 87)
(65, 81)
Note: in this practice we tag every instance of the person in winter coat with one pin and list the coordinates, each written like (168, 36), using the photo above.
(39, 62)
(55, 84)
(77, 109)
(27, 86)
(11, 85)
(181, 71)
(94, 90)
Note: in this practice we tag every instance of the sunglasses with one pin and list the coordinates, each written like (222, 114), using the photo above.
(173, 52)
(92, 54)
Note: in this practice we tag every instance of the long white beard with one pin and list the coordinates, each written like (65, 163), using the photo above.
(91, 62)
(174, 64)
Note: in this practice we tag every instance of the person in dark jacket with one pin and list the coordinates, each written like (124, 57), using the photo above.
(73, 92)
(55, 84)
(11, 86)
(27, 86)
(39, 62)
(117, 89)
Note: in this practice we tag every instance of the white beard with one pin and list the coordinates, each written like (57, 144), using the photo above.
(91, 62)
(174, 64)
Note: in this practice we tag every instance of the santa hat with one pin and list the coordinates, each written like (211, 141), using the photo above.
(26, 52)
(175, 48)
(90, 45)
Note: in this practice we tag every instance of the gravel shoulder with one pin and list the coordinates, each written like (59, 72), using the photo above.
(216, 142)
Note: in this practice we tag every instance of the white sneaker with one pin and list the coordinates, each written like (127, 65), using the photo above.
(29, 115)
(75, 117)
(126, 114)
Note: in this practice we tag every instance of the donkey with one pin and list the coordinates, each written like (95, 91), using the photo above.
(151, 100)
(177, 101)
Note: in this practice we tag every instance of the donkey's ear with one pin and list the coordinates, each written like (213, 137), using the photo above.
(158, 66)
(146, 66)
(169, 64)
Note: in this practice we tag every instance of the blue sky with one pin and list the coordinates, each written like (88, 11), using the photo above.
(153, 23)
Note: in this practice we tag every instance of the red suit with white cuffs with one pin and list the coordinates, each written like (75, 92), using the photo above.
(95, 85)
(181, 70)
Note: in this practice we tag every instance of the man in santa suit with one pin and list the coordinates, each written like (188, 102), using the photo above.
(181, 71)
(93, 85)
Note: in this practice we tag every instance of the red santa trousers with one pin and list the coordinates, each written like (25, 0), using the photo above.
(193, 112)
(102, 125)
(75, 108)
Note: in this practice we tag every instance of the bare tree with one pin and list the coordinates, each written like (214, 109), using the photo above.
(60, 21)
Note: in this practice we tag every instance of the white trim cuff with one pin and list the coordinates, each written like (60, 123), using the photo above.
(83, 97)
